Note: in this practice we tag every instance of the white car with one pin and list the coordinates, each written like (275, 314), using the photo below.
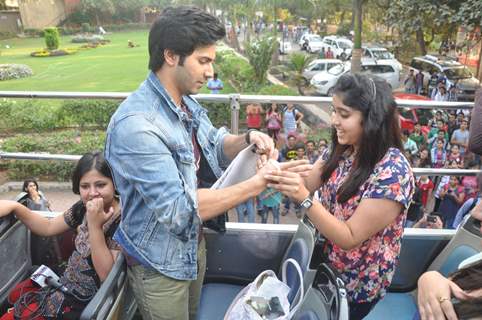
(319, 65)
(341, 47)
(380, 55)
(385, 71)
(284, 47)
(311, 43)
(326, 80)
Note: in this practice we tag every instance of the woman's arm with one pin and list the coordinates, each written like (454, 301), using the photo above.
(38, 224)
(102, 257)
(371, 215)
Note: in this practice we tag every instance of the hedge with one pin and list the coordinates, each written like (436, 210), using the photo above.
(63, 142)
(52, 38)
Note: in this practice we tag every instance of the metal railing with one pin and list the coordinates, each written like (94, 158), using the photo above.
(235, 101)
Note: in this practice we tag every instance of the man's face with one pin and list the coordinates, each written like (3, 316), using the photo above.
(291, 141)
(310, 146)
(196, 70)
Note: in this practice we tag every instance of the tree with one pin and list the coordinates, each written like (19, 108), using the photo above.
(422, 18)
(259, 55)
(96, 8)
(357, 51)
(297, 64)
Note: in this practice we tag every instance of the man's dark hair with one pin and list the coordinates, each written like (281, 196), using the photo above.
(182, 29)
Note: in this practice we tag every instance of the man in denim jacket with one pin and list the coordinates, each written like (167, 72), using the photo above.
(159, 143)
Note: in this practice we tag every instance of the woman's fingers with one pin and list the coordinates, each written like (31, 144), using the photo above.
(301, 168)
(458, 292)
(293, 163)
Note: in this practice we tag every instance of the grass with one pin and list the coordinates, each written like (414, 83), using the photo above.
(113, 67)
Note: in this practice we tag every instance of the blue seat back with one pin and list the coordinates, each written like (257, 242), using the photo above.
(299, 251)
(455, 257)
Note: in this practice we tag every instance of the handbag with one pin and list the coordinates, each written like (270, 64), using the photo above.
(266, 297)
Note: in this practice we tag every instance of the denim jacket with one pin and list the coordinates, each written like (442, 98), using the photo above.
(150, 151)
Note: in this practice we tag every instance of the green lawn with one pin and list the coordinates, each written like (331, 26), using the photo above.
(113, 67)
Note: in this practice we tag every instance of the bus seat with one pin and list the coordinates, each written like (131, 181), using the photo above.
(114, 299)
(307, 315)
(216, 299)
(455, 257)
(14, 244)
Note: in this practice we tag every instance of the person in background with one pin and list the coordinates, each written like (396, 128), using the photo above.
(432, 83)
(246, 212)
(452, 124)
(430, 221)
(469, 203)
(270, 200)
(254, 118)
(417, 135)
(426, 187)
(288, 152)
(32, 197)
(365, 189)
(300, 152)
(441, 94)
(322, 54)
(409, 82)
(438, 154)
(460, 137)
(452, 198)
(409, 145)
(455, 155)
(425, 161)
(215, 84)
(311, 152)
(273, 122)
(419, 83)
(291, 119)
(322, 146)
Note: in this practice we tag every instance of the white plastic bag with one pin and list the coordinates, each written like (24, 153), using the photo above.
(266, 295)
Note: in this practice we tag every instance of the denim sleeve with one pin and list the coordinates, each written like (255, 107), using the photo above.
(138, 153)
(219, 136)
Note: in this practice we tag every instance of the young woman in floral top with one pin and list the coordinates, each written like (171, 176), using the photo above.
(95, 217)
(366, 185)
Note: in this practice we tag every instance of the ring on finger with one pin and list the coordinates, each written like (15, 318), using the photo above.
(442, 299)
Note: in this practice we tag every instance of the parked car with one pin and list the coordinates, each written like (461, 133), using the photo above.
(319, 65)
(311, 43)
(385, 71)
(284, 47)
(379, 54)
(325, 81)
(341, 47)
(456, 74)
(410, 116)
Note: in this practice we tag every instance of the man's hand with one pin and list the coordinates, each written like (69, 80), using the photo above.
(264, 145)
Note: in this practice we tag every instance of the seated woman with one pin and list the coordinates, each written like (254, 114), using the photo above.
(32, 198)
(95, 217)
(457, 297)
(365, 185)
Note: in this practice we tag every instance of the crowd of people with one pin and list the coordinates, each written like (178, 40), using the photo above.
(436, 88)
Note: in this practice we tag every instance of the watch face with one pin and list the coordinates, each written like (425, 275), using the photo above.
(307, 203)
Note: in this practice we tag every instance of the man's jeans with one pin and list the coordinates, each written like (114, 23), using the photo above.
(265, 212)
(246, 210)
(162, 298)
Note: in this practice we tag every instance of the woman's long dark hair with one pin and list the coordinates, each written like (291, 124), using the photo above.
(381, 129)
(468, 279)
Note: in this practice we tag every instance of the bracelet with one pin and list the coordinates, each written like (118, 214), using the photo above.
(247, 138)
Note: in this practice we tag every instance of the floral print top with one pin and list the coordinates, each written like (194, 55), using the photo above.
(368, 269)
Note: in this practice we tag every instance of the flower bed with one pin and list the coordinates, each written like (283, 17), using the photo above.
(53, 53)
(14, 71)
(87, 38)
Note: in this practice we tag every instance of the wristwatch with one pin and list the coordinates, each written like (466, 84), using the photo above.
(247, 137)
(307, 203)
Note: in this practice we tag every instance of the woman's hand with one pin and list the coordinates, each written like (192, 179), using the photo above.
(434, 293)
(264, 145)
(96, 217)
(289, 182)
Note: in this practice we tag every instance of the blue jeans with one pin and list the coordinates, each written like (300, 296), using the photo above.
(246, 209)
(265, 212)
